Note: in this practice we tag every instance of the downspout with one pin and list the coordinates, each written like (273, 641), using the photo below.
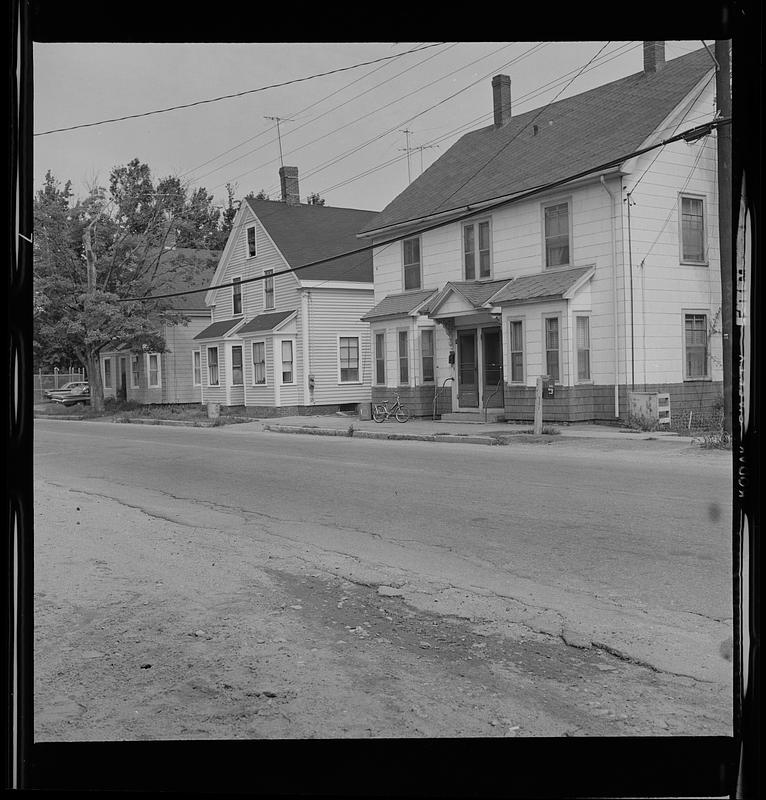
(614, 302)
(632, 332)
(306, 346)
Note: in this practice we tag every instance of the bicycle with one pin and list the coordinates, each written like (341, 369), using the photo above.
(381, 411)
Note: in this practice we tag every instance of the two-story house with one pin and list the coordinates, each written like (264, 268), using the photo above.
(171, 376)
(539, 246)
(286, 301)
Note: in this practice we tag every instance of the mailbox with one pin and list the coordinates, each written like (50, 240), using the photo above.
(549, 389)
(311, 383)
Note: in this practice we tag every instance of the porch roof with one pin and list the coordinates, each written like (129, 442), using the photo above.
(398, 305)
(265, 322)
(542, 286)
(476, 293)
(217, 329)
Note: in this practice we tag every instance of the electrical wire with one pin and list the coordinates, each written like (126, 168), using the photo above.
(235, 94)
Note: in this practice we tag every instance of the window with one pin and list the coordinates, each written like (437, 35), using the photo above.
(695, 345)
(693, 230)
(107, 373)
(212, 366)
(259, 363)
(251, 241)
(380, 358)
(552, 348)
(348, 347)
(557, 235)
(236, 296)
(516, 347)
(582, 338)
(135, 371)
(427, 355)
(268, 289)
(404, 361)
(236, 366)
(476, 249)
(287, 362)
(411, 261)
(154, 369)
(196, 368)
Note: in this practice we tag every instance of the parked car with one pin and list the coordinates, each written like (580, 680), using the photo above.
(78, 395)
(66, 390)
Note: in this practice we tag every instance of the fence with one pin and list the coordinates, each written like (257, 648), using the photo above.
(43, 382)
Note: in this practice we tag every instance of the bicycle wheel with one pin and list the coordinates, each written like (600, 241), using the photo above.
(378, 413)
(402, 415)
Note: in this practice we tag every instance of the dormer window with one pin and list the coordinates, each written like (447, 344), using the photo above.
(251, 251)
(477, 250)
(557, 234)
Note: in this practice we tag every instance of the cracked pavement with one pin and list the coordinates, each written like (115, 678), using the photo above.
(375, 586)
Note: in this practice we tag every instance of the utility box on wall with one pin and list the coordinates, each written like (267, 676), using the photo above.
(650, 407)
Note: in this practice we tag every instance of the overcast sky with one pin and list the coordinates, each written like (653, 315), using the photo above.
(343, 125)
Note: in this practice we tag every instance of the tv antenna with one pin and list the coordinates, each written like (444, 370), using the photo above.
(279, 137)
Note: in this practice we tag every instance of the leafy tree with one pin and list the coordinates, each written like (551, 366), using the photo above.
(95, 258)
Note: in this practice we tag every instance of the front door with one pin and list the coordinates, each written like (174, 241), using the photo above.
(492, 368)
(467, 370)
(122, 389)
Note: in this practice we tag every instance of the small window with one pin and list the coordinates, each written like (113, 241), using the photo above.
(212, 366)
(557, 235)
(154, 369)
(348, 355)
(476, 250)
(552, 348)
(287, 362)
(427, 355)
(582, 334)
(516, 346)
(411, 262)
(196, 368)
(695, 344)
(251, 241)
(259, 363)
(236, 366)
(693, 230)
(135, 371)
(268, 288)
(107, 373)
(404, 359)
(380, 358)
(236, 296)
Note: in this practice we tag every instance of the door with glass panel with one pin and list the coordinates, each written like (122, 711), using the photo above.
(467, 370)
(492, 368)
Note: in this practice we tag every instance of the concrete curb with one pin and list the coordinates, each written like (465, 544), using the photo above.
(357, 434)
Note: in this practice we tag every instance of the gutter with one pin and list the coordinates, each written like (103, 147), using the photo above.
(614, 302)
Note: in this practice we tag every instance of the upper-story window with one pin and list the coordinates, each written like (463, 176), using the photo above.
(557, 234)
(251, 248)
(477, 250)
(236, 296)
(268, 288)
(411, 262)
(693, 230)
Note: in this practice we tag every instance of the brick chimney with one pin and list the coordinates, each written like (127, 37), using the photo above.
(654, 57)
(501, 95)
(288, 179)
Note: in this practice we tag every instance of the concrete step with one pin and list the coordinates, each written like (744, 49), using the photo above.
(475, 417)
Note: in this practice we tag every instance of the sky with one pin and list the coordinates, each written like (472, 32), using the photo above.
(344, 132)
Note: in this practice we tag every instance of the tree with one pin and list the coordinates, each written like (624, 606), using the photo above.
(96, 259)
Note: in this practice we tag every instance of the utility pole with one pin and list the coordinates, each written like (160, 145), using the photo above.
(279, 137)
(407, 133)
(724, 138)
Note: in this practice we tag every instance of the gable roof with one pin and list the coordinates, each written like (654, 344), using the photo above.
(265, 322)
(476, 293)
(543, 286)
(306, 233)
(573, 135)
(398, 305)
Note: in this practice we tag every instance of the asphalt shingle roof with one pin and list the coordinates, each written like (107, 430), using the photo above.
(306, 233)
(265, 322)
(396, 305)
(537, 287)
(573, 135)
(476, 292)
(217, 329)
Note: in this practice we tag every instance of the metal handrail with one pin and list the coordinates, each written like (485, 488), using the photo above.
(487, 399)
(437, 393)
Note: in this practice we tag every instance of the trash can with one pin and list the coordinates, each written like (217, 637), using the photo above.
(213, 410)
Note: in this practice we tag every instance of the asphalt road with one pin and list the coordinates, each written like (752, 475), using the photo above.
(620, 546)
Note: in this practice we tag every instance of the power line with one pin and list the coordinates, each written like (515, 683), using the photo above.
(691, 134)
(236, 94)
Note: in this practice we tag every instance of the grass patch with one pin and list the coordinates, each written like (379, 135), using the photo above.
(720, 440)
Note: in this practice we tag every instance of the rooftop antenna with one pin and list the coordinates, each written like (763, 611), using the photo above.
(407, 148)
(423, 147)
(279, 137)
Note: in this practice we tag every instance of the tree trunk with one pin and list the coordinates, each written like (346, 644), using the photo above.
(94, 381)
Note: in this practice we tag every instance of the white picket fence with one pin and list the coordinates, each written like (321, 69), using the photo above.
(45, 381)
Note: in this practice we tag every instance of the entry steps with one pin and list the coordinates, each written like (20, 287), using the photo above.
(474, 417)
